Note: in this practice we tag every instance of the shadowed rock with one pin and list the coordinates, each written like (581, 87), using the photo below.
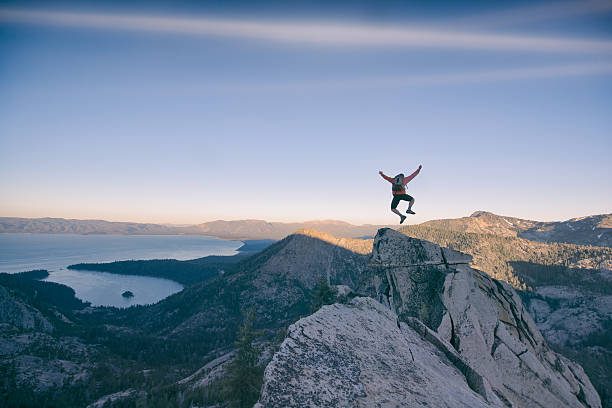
(19, 314)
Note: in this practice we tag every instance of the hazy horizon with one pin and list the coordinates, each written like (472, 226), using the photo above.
(182, 112)
(296, 221)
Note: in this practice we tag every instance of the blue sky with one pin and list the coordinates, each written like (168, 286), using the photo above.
(184, 113)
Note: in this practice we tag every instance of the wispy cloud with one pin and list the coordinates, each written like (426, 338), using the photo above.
(535, 13)
(314, 33)
(516, 74)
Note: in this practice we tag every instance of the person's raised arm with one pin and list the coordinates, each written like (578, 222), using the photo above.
(413, 175)
(389, 179)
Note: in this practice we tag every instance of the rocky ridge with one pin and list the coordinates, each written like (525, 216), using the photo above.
(359, 355)
(569, 290)
(457, 321)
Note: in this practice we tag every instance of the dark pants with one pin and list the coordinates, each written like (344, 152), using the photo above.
(397, 198)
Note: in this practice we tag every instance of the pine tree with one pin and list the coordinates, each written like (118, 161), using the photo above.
(245, 375)
(323, 295)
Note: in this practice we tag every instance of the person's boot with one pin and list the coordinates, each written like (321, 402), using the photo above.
(409, 211)
(402, 218)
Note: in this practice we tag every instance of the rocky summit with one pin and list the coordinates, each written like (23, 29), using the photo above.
(427, 330)
(358, 355)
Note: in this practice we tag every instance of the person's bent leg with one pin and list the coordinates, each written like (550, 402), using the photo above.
(410, 204)
(402, 216)
(394, 209)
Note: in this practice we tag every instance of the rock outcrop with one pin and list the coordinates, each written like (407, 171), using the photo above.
(17, 314)
(359, 355)
(577, 315)
(578, 321)
(444, 335)
(34, 355)
(569, 295)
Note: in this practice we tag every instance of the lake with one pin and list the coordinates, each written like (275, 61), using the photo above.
(54, 252)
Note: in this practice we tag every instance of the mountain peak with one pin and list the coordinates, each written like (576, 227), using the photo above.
(313, 233)
(480, 213)
(360, 246)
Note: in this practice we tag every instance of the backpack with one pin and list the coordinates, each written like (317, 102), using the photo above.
(398, 182)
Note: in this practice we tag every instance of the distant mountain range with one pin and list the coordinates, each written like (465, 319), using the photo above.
(249, 229)
(591, 230)
(241, 230)
(84, 227)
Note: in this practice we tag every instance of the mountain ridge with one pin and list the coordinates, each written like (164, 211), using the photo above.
(585, 230)
(234, 230)
(593, 230)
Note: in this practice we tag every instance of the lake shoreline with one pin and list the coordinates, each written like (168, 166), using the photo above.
(51, 256)
(189, 271)
(185, 272)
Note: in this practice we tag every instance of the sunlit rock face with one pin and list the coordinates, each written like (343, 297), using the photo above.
(359, 355)
(433, 332)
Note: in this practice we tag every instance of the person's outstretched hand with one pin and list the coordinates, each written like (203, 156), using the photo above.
(380, 172)
(420, 166)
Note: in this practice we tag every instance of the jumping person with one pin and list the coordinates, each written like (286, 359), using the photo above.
(399, 191)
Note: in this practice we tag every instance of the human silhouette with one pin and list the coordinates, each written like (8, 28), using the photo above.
(399, 191)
